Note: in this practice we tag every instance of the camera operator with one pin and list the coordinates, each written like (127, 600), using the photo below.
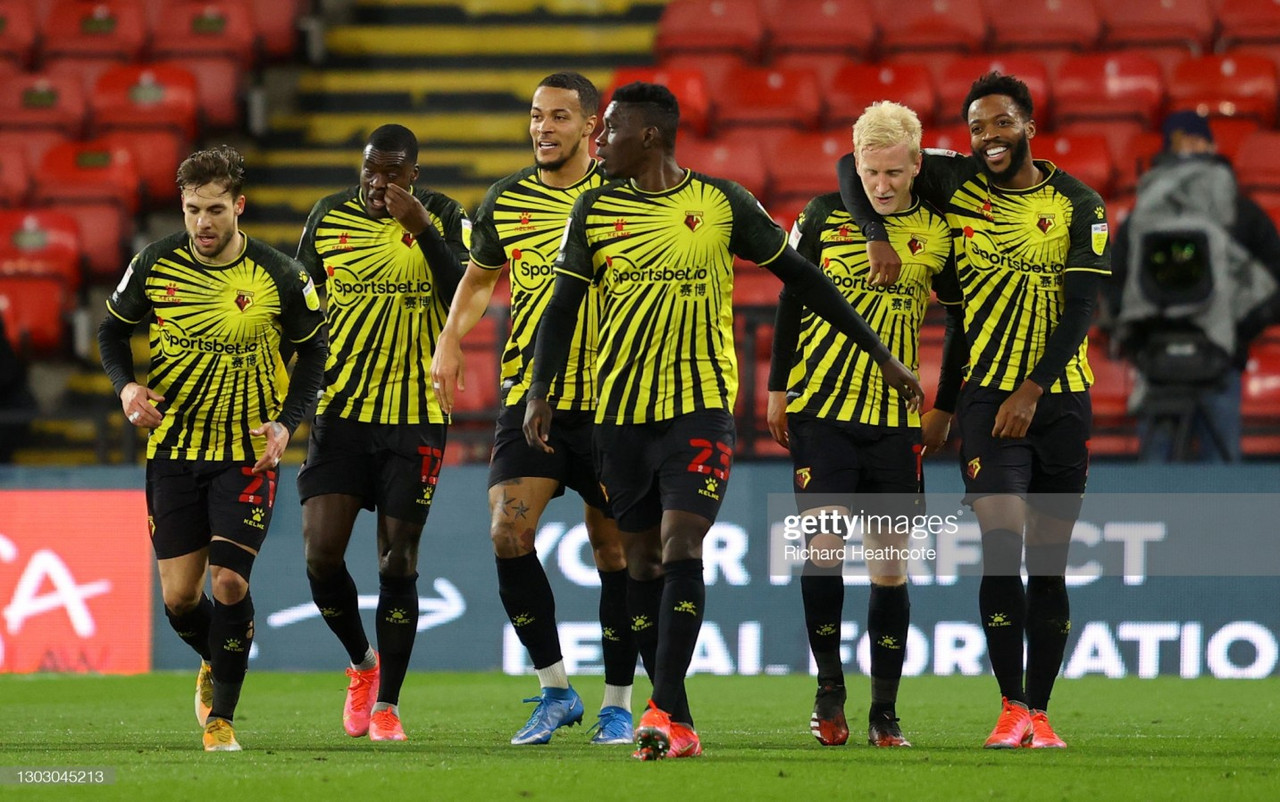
(1194, 282)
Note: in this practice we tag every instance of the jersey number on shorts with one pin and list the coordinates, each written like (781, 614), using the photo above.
(431, 461)
(706, 448)
(250, 493)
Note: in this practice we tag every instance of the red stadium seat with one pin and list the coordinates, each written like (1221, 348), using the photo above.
(785, 212)
(1119, 208)
(806, 164)
(98, 185)
(481, 349)
(1135, 158)
(932, 26)
(857, 86)
(823, 64)
(277, 26)
(760, 96)
(739, 161)
(215, 41)
(1260, 385)
(30, 144)
(710, 25)
(715, 67)
(1231, 86)
(1043, 24)
(1186, 24)
(1108, 86)
(46, 102)
(32, 307)
(950, 137)
(1261, 152)
(843, 27)
(1229, 133)
(112, 30)
(690, 86)
(153, 108)
(17, 32)
(930, 364)
(958, 76)
(755, 286)
(1112, 383)
(15, 177)
(1248, 22)
(40, 241)
(1085, 157)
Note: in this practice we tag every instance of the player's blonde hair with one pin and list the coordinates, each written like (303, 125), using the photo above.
(885, 124)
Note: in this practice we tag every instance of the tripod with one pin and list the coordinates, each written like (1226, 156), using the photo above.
(1172, 410)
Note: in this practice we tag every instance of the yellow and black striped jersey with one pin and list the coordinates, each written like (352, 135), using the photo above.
(664, 264)
(830, 376)
(383, 310)
(520, 222)
(215, 342)
(1012, 248)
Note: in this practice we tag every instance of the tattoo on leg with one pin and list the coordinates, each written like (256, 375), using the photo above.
(513, 508)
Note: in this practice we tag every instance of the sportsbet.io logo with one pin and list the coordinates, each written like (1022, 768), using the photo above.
(529, 268)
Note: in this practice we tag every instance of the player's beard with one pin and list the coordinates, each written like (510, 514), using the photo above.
(1019, 154)
(556, 164)
(219, 245)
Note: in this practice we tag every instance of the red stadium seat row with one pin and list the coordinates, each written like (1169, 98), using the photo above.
(123, 29)
(156, 103)
(1124, 88)
(770, 29)
(217, 40)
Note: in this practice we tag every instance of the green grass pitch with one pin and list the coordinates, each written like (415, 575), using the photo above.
(1129, 739)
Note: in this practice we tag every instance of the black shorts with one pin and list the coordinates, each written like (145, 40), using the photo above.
(845, 457)
(1053, 457)
(678, 464)
(190, 501)
(571, 464)
(390, 467)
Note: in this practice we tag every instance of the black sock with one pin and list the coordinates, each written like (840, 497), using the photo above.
(1002, 603)
(644, 598)
(823, 604)
(1048, 625)
(531, 607)
(339, 604)
(230, 637)
(397, 626)
(193, 626)
(888, 612)
(617, 643)
(679, 622)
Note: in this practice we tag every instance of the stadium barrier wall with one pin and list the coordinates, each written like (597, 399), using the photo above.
(78, 589)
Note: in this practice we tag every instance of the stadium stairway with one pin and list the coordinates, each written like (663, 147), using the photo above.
(459, 73)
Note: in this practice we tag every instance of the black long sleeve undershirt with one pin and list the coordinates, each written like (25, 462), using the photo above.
(955, 355)
(786, 335)
(815, 291)
(445, 266)
(306, 379)
(555, 333)
(1080, 291)
(117, 356)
